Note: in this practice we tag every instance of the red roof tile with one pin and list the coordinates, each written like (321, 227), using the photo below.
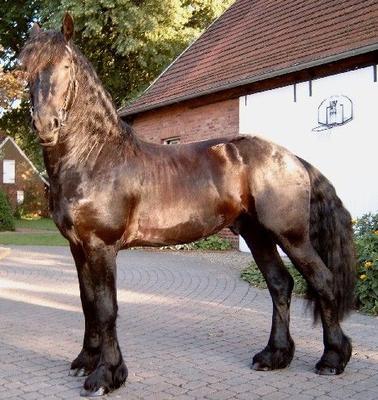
(256, 39)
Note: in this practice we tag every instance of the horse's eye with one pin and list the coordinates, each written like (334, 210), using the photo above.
(66, 66)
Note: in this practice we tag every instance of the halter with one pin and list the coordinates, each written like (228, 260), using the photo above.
(68, 101)
(71, 95)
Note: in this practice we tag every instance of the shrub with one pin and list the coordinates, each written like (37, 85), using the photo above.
(366, 238)
(213, 242)
(6, 215)
(367, 224)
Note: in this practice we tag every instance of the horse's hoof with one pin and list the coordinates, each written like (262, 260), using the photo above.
(99, 392)
(327, 371)
(257, 366)
(79, 372)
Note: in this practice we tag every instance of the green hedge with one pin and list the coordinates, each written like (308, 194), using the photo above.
(366, 238)
(6, 214)
(213, 242)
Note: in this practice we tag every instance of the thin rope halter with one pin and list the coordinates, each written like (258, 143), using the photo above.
(68, 101)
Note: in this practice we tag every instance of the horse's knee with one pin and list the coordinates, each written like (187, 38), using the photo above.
(281, 286)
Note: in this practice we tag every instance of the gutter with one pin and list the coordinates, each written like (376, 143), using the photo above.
(254, 79)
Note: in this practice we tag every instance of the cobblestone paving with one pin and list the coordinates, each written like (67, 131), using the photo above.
(188, 328)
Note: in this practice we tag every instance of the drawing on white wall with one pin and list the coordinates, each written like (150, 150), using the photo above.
(334, 111)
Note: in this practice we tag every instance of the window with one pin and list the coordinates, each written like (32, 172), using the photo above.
(20, 196)
(9, 171)
(172, 140)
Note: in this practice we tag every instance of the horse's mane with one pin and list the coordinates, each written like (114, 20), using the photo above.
(44, 48)
(95, 125)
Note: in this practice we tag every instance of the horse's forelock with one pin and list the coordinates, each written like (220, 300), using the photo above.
(45, 48)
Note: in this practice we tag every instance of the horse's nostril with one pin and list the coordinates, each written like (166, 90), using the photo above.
(55, 123)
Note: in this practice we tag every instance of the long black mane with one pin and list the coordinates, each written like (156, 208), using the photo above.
(92, 114)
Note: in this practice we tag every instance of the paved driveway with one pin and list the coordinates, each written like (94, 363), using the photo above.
(188, 328)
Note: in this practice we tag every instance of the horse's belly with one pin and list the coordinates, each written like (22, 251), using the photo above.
(174, 225)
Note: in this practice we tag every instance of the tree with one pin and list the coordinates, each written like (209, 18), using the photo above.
(11, 88)
(129, 41)
(15, 20)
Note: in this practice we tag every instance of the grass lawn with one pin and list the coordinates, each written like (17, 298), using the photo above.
(32, 239)
(33, 232)
(45, 224)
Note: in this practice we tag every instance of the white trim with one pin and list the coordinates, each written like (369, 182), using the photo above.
(25, 157)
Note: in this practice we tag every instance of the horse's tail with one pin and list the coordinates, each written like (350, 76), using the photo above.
(332, 237)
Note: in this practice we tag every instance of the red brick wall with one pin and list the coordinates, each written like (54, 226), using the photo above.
(188, 122)
(26, 179)
(191, 123)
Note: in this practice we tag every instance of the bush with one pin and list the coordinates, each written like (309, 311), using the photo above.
(366, 238)
(367, 224)
(213, 242)
(6, 215)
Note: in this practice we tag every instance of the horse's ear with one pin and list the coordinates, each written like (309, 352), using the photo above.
(67, 27)
(35, 29)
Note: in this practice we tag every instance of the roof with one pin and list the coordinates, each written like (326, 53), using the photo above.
(5, 139)
(260, 39)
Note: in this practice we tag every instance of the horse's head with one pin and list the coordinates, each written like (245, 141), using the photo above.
(47, 58)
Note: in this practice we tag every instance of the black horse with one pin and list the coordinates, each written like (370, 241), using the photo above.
(110, 191)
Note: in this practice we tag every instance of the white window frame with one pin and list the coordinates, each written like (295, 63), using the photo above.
(9, 171)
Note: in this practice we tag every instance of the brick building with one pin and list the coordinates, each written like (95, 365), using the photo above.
(259, 48)
(23, 185)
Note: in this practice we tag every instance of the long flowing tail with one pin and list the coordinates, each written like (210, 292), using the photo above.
(332, 237)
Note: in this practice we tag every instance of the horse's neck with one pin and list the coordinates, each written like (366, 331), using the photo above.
(92, 125)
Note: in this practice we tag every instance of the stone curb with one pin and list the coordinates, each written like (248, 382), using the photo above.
(4, 251)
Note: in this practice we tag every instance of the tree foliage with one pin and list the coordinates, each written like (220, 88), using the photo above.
(15, 19)
(6, 215)
(129, 41)
(11, 88)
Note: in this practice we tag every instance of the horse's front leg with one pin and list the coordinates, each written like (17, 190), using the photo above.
(89, 356)
(111, 371)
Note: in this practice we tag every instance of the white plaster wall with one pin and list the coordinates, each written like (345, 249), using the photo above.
(347, 154)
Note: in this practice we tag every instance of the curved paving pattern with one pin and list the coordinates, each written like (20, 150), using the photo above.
(188, 328)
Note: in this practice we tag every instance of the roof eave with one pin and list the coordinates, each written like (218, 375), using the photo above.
(8, 138)
(256, 78)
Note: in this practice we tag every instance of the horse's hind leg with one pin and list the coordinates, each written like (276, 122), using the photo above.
(280, 348)
(337, 346)
(88, 357)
